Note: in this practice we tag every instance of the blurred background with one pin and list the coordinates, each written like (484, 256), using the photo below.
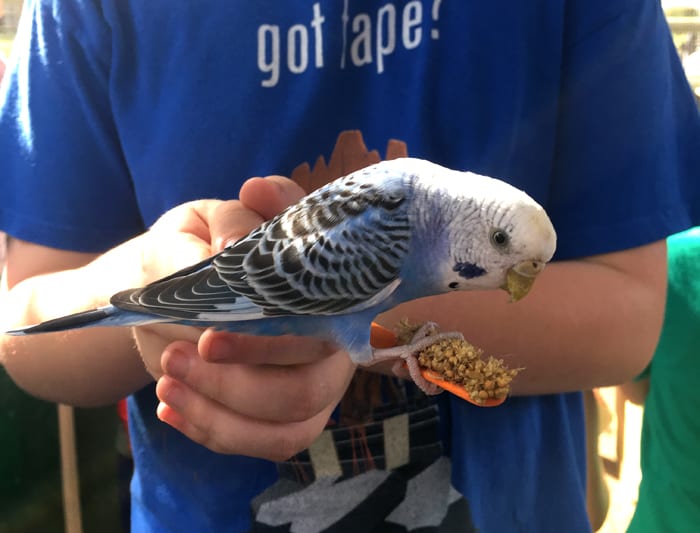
(684, 18)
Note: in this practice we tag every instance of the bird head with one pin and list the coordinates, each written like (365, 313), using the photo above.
(493, 235)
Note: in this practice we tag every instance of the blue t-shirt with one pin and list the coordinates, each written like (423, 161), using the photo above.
(115, 111)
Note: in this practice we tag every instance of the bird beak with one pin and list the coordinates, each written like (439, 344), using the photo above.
(520, 278)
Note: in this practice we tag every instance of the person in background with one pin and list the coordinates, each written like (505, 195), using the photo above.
(120, 119)
(669, 498)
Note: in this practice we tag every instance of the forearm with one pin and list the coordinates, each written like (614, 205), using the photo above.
(81, 367)
(585, 324)
(97, 365)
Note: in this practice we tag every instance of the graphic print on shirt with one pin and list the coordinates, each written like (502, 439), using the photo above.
(368, 37)
(379, 465)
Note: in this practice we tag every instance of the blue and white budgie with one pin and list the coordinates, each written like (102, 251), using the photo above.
(326, 266)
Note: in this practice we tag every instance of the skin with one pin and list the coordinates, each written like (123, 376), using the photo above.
(636, 391)
(271, 397)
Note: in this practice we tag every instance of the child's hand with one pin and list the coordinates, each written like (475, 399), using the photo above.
(260, 396)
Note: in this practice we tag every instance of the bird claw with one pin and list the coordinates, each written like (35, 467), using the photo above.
(406, 356)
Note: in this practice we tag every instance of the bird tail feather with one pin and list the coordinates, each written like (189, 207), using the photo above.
(103, 316)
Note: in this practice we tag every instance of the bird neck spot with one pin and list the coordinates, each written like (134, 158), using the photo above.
(468, 270)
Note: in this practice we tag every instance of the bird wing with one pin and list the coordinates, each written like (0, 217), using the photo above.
(338, 251)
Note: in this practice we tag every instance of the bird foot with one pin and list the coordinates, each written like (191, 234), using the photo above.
(406, 356)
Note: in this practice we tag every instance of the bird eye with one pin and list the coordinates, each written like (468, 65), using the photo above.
(500, 238)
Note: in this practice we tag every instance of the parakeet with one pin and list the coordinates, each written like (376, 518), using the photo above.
(327, 265)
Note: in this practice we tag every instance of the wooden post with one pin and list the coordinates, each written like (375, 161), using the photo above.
(69, 469)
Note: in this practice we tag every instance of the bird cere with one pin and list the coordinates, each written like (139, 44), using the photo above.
(328, 265)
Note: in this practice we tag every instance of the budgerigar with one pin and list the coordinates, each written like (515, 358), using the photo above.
(327, 265)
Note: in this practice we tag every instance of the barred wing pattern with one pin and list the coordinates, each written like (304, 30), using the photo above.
(338, 251)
